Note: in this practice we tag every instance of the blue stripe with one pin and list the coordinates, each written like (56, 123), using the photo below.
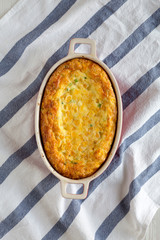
(124, 206)
(140, 86)
(72, 211)
(18, 102)
(17, 157)
(17, 50)
(46, 184)
(27, 204)
(136, 37)
(128, 97)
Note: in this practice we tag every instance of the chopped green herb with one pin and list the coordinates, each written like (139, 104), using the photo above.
(72, 101)
(67, 89)
(70, 84)
(85, 77)
(73, 162)
(91, 125)
(62, 102)
(99, 105)
(76, 80)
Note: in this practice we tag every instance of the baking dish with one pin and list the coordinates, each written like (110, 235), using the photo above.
(85, 181)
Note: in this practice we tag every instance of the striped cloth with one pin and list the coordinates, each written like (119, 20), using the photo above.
(122, 201)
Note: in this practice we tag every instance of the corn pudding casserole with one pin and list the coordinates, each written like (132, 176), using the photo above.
(78, 118)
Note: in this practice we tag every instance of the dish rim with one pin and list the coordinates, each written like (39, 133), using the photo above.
(85, 181)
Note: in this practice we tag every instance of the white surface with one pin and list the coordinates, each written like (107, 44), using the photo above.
(6, 5)
(153, 232)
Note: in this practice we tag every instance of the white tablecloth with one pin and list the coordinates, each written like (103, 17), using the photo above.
(121, 202)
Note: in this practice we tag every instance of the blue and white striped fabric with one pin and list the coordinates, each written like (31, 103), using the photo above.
(121, 202)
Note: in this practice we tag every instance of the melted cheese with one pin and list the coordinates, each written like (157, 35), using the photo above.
(78, 118)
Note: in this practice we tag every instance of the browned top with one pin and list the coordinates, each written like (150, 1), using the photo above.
(78, 118)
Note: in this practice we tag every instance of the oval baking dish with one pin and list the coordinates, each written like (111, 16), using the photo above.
(91, 57)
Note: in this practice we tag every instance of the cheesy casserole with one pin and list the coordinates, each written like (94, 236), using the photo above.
(78, 118)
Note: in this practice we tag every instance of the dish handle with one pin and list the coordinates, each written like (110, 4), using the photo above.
(87, 41)
(65, 194)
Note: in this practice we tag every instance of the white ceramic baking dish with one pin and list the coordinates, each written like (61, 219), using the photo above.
(85, 181)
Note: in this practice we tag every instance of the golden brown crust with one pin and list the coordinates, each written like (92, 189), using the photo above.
(78, 118)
